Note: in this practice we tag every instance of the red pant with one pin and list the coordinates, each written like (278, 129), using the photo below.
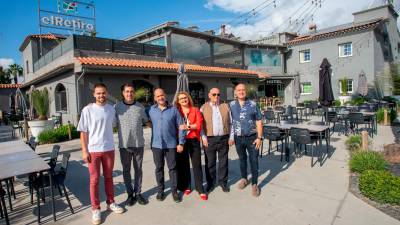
(106, 159)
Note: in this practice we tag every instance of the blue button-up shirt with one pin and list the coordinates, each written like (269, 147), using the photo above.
(165, 130)
(244, 118)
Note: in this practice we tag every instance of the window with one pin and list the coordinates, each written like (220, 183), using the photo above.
(60, 98)
(27, 66)
(306, 88)
(159, 41)
(305, 56)
(345, 49)
(349, 84)
(192, 50)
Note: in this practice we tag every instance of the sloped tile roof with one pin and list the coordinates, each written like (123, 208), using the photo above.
(144, 64)
(49, 36)
(10, 85)
(333, 33)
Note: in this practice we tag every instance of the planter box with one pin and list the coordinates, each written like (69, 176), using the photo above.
(344, 98)
(38, 126)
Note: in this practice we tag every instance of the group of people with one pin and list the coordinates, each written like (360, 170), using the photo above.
(178, 131)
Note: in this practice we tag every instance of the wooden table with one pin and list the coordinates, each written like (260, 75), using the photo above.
(17, 158)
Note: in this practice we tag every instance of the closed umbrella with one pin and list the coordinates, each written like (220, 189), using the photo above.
(325, 84)
(296, 88)
(182, 81)
(362, 88)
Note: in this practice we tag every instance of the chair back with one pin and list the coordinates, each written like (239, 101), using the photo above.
(287, 122)
(332, 117)
(32, 143)
(269, 115)
(300, 136)
(64, 162)
(273, 133)
(356, 117)
(289, 110)
(316, 123)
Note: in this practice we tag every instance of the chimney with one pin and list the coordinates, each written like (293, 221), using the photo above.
(312, 28)
(223, 30)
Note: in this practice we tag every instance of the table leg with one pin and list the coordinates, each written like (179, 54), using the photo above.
(287, 148)
(320, 149)
(52, 195)
(3, 204)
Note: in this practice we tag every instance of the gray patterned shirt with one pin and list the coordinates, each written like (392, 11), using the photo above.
(130, 121)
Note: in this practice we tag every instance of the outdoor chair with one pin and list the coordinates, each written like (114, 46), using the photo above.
(290, 114)
(302, 137)
(316, 136)
(32, 143)
(269, 116)
(10, 190)
(58, 177)
(274, 134)
(356, 119)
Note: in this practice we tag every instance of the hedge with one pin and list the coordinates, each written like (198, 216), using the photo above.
(367, 160)
(57, 135)
(380, 186)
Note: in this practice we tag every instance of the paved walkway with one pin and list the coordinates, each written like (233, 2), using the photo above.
(292, 194)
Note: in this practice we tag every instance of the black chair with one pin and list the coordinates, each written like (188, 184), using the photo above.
(302, 137)
(58, 177)
(356, 119)
(316, 136)
(32, 143)
(274, 134)
(290, 114)
(269, 116)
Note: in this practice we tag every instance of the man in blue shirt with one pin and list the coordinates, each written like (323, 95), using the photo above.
(246, 134)
(165, 120)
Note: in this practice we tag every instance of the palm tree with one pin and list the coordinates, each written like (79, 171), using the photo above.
(15, 70)
(4, 76)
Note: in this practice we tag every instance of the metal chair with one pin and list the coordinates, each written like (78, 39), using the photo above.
(269, 116)
(290, 114)
(300, 136)
(356, 119)
(274, 134)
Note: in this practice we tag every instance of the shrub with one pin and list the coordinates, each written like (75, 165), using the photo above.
(367, 160)
(57, 135)
(40, 99)
(380, 114)
(353, 142)
(380, 186)
(336, 103)
(358, 101)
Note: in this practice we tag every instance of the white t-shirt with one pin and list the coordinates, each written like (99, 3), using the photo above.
(98, 121)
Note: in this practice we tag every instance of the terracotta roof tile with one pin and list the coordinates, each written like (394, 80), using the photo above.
(47, 36)
(317, 36)
(10, 85)
(163, 66)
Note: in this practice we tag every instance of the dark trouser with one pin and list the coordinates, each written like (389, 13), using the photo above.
(170, 156)
(127, 156)
(242, 144)
(192, 149)
(217, 144)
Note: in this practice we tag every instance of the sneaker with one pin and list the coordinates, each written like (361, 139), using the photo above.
(225, 188)
(243, 183)
(203, 197)
(115, 208)
(141, 199)
(255, 191)
(188, 191)
(160, 196)
(96, 216)
(130, 201)
(176, 197)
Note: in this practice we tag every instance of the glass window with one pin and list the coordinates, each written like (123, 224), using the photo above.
(226, 54)
(159, 41)
(195, 50)
(306, 88)
(345, 49)
(255, 57)
(60, 98)
(349, 85)
(305, 56)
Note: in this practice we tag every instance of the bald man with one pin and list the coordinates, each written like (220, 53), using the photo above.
(216, 129)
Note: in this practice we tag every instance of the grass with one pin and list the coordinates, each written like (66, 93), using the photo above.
(353, 142)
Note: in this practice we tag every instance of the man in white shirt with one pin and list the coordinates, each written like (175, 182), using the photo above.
(97, 140)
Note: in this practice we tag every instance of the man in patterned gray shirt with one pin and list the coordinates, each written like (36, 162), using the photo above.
(131, 117)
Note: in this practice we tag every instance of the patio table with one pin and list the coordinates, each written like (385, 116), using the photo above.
(343, 115)
(17, 158)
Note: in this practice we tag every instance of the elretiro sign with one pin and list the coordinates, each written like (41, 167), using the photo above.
(66, 23)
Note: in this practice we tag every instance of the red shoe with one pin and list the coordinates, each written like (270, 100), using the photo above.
(188, 191)
(204, 197)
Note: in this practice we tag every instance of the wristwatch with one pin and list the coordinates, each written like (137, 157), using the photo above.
(260, 138)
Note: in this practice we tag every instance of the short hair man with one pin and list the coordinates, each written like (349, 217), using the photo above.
(246, 134)
(97, 140)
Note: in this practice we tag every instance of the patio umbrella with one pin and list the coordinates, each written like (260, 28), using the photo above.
(325, 84)
(182, 81)
(362, 88)
(296, 88)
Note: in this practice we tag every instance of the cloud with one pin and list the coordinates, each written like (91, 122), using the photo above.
(5, 62)
(268, 18)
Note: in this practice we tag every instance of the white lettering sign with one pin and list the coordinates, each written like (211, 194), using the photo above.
(75, 24)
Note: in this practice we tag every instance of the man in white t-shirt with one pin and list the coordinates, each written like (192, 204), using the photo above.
(97, 140)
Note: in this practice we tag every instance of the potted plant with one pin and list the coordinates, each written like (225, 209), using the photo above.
(40, 100)
(344, 97)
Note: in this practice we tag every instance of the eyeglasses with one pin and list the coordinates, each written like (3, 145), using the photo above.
(216, 94)
(183, 98)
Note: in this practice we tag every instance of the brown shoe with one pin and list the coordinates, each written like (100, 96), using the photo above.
(255, 191)
(243, 183)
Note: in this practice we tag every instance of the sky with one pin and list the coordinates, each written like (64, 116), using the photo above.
(248, 19)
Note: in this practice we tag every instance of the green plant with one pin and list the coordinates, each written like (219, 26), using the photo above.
(40, 99)
(343, 84)
(380, 114)
(380, 186)
(359, 100)
(336, 103)
(367, 160)
(353, 142)
(140, 94)
(57, 135)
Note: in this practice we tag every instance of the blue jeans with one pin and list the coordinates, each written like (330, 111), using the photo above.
(242, 144)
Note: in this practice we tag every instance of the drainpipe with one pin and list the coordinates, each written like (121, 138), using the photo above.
(78, 102)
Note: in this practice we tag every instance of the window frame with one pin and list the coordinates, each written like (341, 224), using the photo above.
(350, 82)
(58, 99)
(302, 88)
(342, 49)
(302, 58)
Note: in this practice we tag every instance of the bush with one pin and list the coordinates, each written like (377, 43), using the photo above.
(380, 186)
(336, 103)
(353, 142)
(367, 160)
(359, 100)
(380, 114)
(57, 135)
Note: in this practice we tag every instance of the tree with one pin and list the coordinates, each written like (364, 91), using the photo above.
(16, 71)
(4, 76)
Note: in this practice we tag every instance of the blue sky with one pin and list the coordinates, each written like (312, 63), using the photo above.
(121, 18)
(115, 19)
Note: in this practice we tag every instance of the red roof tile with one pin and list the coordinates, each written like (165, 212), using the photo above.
(10, 85)
(317, 36)
(163, 66)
